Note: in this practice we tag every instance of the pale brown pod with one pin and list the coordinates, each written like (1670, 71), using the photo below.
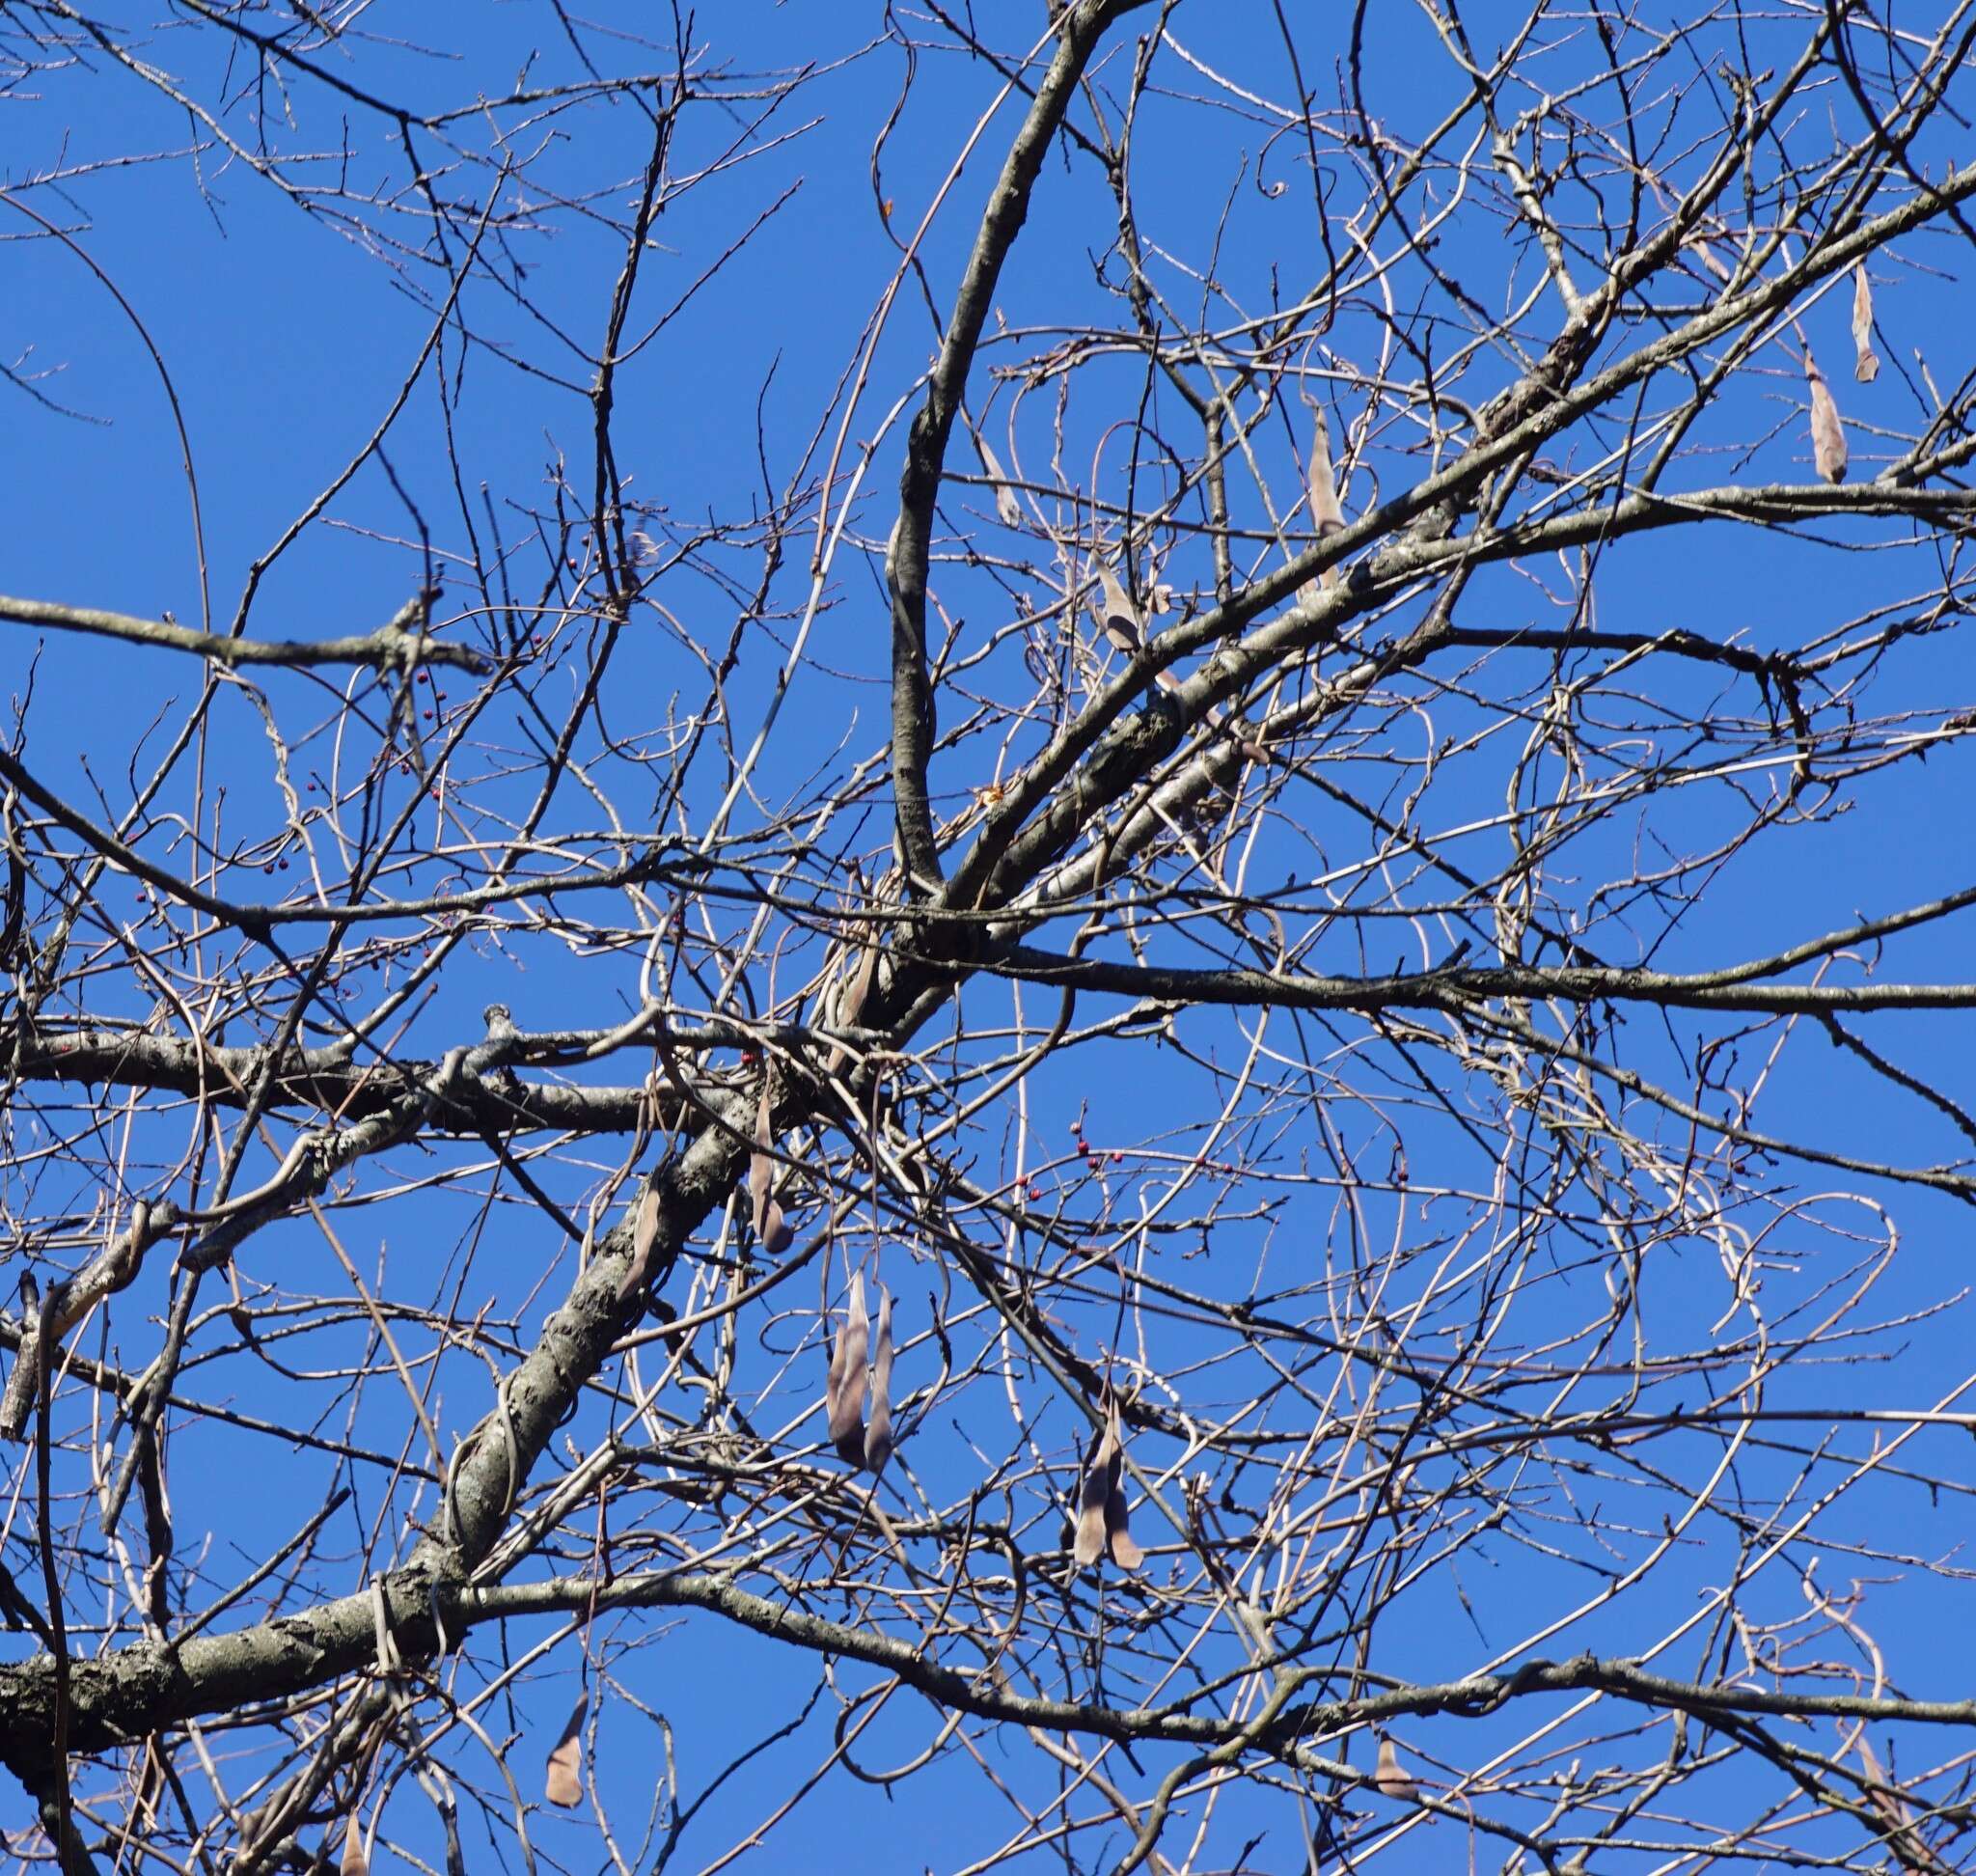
(1089, 1544)
(562, 1781)
(355, 1861)
(1008, 510)
(851, 1005)
(878, 1435)
(1327, 516)
(1101, 1513)
(1120, 622)
(761, 1164)
(844, 1391)
(1125, 1553)
(645, 1238)
(1865, 365)
(1391, 1781)
(1827, 436)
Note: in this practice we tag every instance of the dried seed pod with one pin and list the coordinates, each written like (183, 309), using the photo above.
(645, 1238)
(355, 1861)
(1327, 516)
(1121, 623)
(1827, 436)
(1125, 1553)
(1116, 616)
(1391, 1779)
(1090, 1543)
(851, 1005)
(563, 1784)
(770, 1229)
(878, 1435)
(844, 1391)
(1101, 1512)
(761, 1164)
(1008, 510)
(1865, 366)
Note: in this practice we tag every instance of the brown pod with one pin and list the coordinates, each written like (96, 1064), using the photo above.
(562, 1781)
(844, 1391)
(1391, 1781)
(1126, 1554)
(1828, 434)
(878, 1435)
(1865, 366)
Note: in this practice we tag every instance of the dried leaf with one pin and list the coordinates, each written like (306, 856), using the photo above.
(1828, 437)
(878, 1435)
(1008, 509)
(564, 1783)
(355, 1861)
(761, 1164)
(844, 1391)
(1865, 366)
(645, 1238)
(1391, 1781)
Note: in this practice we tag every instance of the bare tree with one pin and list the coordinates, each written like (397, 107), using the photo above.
(1233, 1192)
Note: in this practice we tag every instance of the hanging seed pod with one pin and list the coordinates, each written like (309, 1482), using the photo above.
(1865, 366)
(1391, 1781)
(563, 1782)
(1126, 1554)
(1115, 615)
(844, 1391)
(851, 1005)
(770, 1229)
(1101, 1514)
(355, 1861)
(878, 1435)
(1090, 1543)
(645, 1238)
(1827, 436)
(1327, 516)
(761, 1165)
(1008, 509)
(1121, 623)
